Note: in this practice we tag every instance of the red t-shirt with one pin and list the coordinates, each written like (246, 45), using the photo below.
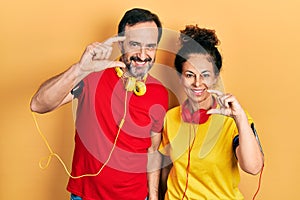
(101, 106)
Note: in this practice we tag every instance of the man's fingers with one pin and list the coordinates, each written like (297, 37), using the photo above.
(111, 40)
(108, 53)
(100, 65)
(117, 64)
(102, 51)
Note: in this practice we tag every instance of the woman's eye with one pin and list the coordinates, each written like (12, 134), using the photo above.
(205, 75)
(189, 75)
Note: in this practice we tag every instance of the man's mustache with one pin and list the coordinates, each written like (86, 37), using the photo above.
(137, 59)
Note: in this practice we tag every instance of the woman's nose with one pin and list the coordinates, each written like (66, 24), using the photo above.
(198, 80)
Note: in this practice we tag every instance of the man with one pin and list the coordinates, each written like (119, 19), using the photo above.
(119, 116)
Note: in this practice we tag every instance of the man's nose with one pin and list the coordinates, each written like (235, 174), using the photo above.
(143, 53)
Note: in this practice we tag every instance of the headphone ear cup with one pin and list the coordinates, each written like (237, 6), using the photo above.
(186, 115)
(130, 84)
(199, 117)
(140, 88)
(119, 72)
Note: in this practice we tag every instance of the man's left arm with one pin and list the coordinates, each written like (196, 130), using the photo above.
(154, 165)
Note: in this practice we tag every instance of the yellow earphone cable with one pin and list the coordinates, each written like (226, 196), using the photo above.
(53, 154)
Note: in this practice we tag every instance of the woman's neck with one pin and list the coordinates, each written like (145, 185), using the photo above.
(206, 104)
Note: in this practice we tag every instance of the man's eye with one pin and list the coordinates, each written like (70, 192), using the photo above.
(134, 44)
(151, 47)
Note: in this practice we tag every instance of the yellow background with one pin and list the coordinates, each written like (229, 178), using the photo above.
(260, 44)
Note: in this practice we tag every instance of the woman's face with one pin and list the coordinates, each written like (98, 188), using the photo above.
(197, 77)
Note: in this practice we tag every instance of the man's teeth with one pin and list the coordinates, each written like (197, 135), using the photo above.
(139, 63)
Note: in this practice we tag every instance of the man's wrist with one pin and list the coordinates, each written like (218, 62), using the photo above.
(78, 72)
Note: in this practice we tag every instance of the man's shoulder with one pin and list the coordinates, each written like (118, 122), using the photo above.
(154, 82)
(96, 76)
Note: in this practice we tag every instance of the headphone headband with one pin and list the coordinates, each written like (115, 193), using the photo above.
(138, 87)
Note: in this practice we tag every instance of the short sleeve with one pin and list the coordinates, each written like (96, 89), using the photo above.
(77, 90)
(164, 147)
(159, 109)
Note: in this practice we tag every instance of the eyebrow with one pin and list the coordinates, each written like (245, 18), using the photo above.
(188, 71)
(139, 43)
(205, 71)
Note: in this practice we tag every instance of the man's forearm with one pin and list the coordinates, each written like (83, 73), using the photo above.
(54, 91)
(154, 165)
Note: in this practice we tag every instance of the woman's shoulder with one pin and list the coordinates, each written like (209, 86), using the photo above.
(174, 111)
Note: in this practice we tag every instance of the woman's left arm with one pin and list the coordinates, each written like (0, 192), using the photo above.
(248, 152)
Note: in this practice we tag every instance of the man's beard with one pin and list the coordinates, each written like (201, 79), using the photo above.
(138, 72)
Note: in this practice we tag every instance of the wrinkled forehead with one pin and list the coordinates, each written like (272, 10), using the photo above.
(146, 32)
(200, 61)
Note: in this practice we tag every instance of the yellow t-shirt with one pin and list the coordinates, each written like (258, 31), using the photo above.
(213, 172)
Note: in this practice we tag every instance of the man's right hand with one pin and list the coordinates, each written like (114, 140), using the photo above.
(96, 56)
(56, 91)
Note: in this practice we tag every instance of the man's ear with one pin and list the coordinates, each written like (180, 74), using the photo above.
(121, 46)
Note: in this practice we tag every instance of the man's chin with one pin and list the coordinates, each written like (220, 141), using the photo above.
(139, 74)
(140, 71)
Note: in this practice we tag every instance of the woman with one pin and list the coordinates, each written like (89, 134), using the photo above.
(209, 135)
